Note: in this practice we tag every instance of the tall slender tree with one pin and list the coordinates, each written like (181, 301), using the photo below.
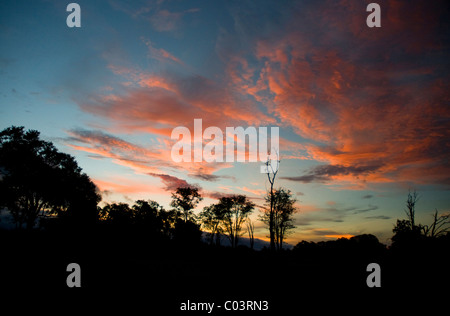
(281, 215)
(271, 175)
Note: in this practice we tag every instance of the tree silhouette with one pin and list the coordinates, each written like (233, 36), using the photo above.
(281, 215)
(187, 233)
(411, 202)
(118, 214)
(271, 175)
(37, 180)
(235, 210)
(211, 218)
(146, 212)
(439, 227)
(185, 200)
(407, 232)
(251, 230)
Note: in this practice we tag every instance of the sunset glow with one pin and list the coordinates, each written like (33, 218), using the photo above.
(363, 113)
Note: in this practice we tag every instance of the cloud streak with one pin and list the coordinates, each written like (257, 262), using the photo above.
(154, 160)
(171, 182)
(325, 173)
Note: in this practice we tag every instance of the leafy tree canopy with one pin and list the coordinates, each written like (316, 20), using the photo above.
(36, 179)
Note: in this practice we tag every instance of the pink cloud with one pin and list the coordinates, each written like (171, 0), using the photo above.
(171, 183)
(154, 161)
(126, 186)
(257, 192)
(369, 103)
(360, 97)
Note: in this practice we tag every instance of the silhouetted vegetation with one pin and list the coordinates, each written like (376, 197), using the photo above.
(235, 210)
(39, 181)
(407, 233)
(271, 175)
(185, 200)
(279, 214)
(122, 244)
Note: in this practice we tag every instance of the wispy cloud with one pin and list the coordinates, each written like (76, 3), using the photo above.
(373, 113)
(164, 20)
(160, 53)
(155, 160)
(327, 172)
(312, 215)
(171, 182)
(157, 13)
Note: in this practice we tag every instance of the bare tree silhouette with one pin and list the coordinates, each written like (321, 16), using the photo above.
(271, 175)
(439, 227)
(408, 231)
(411, 202)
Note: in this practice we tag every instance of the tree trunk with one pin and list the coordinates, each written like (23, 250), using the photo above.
(271, 219)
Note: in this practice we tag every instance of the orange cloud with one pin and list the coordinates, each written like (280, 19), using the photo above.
(372, 114)
(125, 186)
(257, 192)
(154, 161)
(370, 104)
(347, 236)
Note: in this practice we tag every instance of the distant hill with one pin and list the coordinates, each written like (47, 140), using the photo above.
(259, 244)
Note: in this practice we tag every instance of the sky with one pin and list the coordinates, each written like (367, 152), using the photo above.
(363, 113)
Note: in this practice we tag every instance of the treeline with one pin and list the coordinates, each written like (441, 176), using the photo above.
(42, 187)
(55, 207)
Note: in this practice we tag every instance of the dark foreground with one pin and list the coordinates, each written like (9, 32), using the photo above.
(134, 272)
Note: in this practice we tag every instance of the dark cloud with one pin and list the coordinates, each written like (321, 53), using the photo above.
(216, 195)
(367, 209)
(202, 175)
(320, 216)
(330, 214)
(106, 192)
(335, 170)
(352, 209)
(378, 217)
(96, 156)
(326, 172)
(323, 232)
(329, 233)
(172, 183)
(206, 177)
(304, 179)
